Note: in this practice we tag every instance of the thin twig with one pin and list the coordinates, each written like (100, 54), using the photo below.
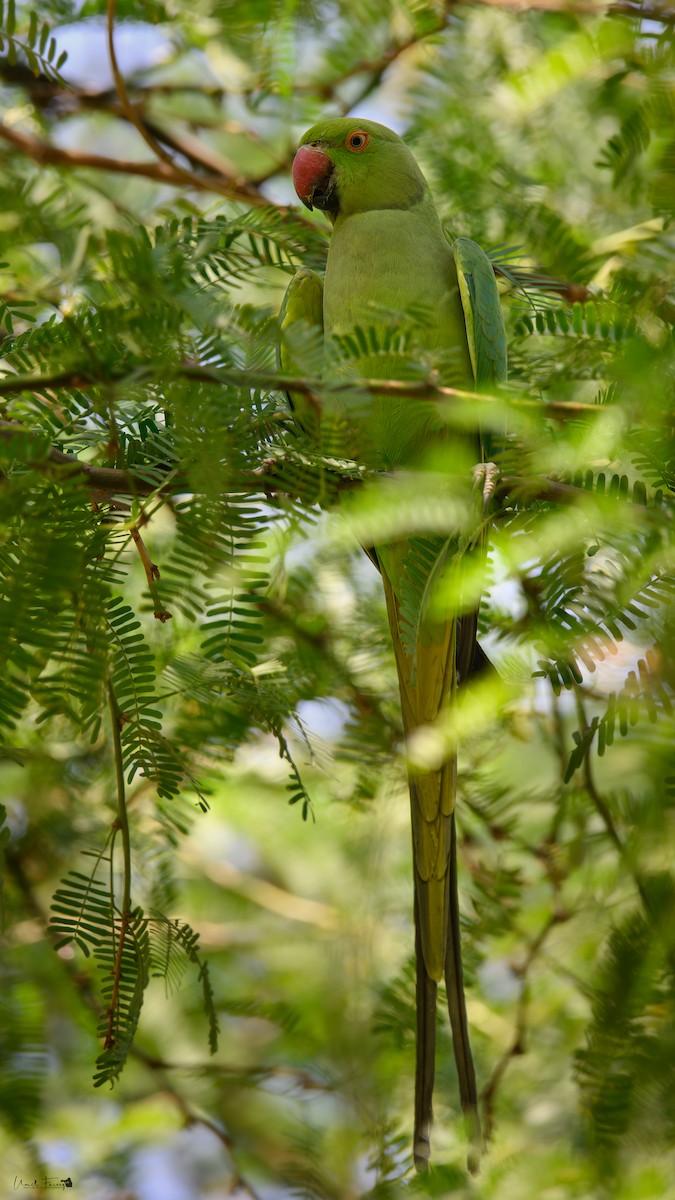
(589, 781)
(366, 702)
(120, 87)
(603, 811)
(122, 825)
(151, 569)
(108, 481)
(517, 1046)
(142, 126)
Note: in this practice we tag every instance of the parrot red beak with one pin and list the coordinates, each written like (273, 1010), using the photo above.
(313, 177)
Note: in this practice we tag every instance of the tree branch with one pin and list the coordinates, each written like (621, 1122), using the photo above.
(274, 476)
(587, 8)
(120, 87)
(422, 389)
(43, 91)
(377, 68)
(602, 808)
(109, 481)
(161, 172)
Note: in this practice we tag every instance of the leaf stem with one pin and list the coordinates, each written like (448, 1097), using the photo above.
(121, 825)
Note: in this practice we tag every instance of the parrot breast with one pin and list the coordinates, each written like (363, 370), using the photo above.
(383, 265)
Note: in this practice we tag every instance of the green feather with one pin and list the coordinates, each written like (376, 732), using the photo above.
(482, 312)
(301, 341)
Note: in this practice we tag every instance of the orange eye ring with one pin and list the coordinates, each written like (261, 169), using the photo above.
(357, 140)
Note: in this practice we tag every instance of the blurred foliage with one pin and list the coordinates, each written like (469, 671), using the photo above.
(158, 722)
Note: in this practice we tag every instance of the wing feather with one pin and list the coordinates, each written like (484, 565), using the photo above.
(301, 324)
(482, 312)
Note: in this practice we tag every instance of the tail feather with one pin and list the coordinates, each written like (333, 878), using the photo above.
(425, 1051)
(443, 657)
(454, 986)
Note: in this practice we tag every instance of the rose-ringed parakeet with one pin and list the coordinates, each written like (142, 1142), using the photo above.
(389, 255)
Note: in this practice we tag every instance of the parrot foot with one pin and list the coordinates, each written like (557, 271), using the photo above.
(485, 477)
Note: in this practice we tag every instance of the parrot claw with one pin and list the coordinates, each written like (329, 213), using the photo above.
(485, 476)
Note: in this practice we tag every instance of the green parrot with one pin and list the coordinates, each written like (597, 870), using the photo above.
(389, 255)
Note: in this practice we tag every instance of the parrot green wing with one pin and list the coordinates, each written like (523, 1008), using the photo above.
(301, 325)
(303, 302)
(482, 312)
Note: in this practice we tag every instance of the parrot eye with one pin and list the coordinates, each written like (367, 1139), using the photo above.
(358, 140)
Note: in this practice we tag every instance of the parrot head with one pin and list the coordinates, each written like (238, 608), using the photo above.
(347, 165)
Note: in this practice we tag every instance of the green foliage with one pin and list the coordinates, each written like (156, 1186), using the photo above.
(173, 945)
(83, 908)
(185, 611)
(122, 960)
(626, 1071)
(23, 1054)
(128, 948)
(38, 46)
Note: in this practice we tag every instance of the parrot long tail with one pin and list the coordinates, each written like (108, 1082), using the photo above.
(425, 1051)
(443, 652)
(454, 986)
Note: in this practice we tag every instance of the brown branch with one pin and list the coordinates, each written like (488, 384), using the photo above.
(423, 389)
(11, 384)
(601, 807)
(148, 130)
(272, 477)
(120, 87)
(106, 480)
(151, 570)
(161, 172)
(519, 487)
(377, 67)
(43, 91)
(589, 781)
(197, 154)
(109, 1040)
